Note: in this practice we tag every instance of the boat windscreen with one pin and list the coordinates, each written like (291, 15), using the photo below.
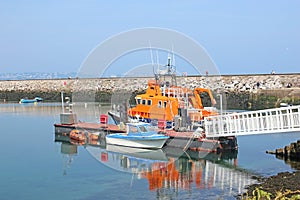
(133, 129)
(143, 129)
(150, 128)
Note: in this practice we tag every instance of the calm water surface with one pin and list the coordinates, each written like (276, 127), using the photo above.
(36, 166)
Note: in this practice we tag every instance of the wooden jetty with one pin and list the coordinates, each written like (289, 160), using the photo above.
(185, 140)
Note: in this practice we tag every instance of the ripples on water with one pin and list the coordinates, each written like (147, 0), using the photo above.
(37, 164)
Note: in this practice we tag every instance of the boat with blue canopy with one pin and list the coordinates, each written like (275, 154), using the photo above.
(26, 100)
(138, 135)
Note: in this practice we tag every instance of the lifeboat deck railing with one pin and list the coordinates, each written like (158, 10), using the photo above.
(284, 119)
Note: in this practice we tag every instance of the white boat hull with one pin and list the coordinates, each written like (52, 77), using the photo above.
(148, 144)
(149, 154)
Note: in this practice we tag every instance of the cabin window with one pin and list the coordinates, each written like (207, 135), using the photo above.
(150, 128)
(133, 129)
(205, 98)
(143, 129)
(144, 101)
(165, 104)
(159, 103)
(149, 102)
(138, 101)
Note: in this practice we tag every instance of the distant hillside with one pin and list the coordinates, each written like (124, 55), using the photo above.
(36, 75)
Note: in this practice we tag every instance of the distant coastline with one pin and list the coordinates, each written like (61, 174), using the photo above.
(36, 75)
(72, 75)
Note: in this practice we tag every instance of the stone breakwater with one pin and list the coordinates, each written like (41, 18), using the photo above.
(242, 91)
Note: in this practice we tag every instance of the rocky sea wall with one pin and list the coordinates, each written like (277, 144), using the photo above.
(238, 91)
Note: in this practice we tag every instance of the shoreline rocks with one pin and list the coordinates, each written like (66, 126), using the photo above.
(284, 185)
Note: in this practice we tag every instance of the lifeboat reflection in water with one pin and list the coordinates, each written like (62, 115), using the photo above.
(166, 169)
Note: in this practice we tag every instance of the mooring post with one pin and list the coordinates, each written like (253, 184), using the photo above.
(62, 101)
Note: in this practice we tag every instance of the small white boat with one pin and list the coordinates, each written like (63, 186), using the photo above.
(138, 135)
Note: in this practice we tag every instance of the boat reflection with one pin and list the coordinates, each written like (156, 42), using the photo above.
(68, 151)
(172, 169)
(127, 159)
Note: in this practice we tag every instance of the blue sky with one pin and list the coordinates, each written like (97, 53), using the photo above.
(240, 36)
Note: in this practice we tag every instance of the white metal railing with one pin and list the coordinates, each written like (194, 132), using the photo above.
(175, 92)
(285, 119)
(226, 178)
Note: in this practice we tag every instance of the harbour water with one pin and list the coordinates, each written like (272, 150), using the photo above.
(35, 165)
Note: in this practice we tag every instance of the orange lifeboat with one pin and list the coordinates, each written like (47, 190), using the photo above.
(164, 103)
